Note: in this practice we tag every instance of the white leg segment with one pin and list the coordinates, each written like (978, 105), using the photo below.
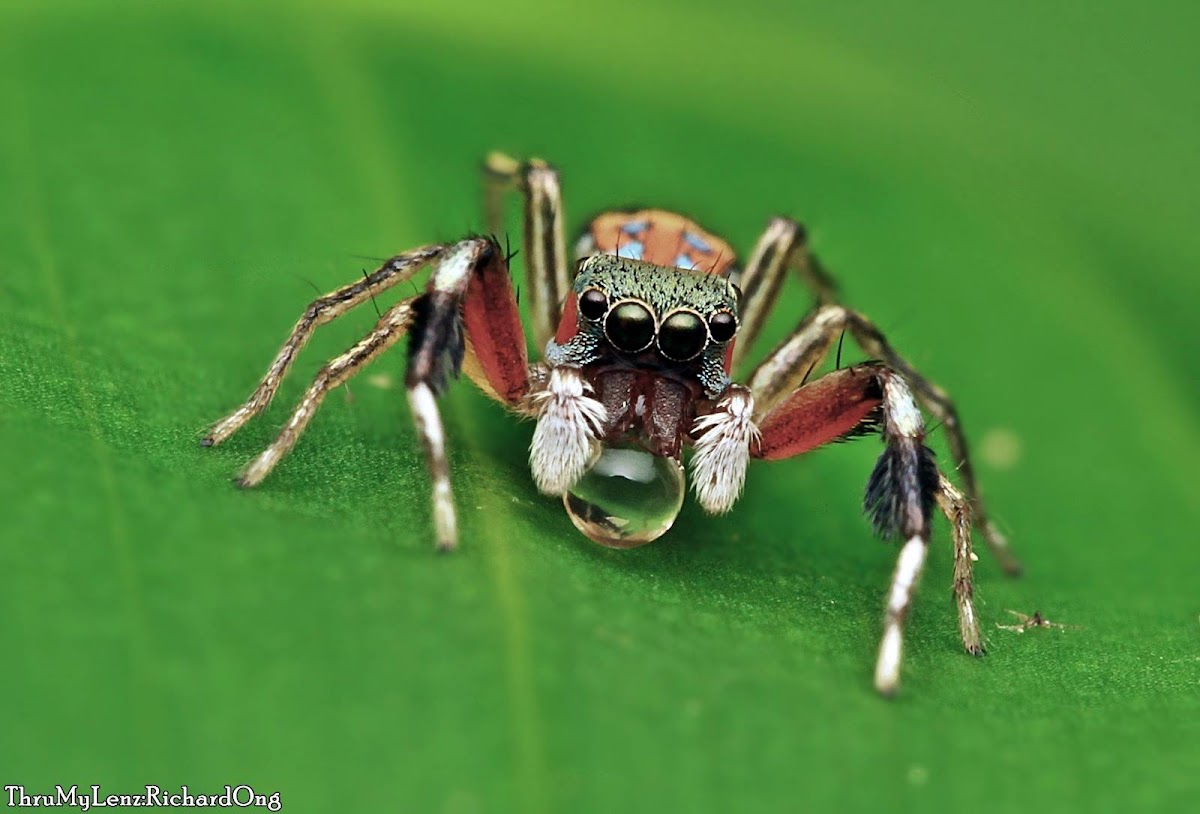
(429, 426)
(908, 571)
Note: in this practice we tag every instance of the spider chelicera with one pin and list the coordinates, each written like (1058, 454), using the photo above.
(639, 344)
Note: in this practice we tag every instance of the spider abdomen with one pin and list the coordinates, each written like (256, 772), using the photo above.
(659, 237)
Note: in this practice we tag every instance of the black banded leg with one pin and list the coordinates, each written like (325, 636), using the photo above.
(390, 328)
(799, 354)
(899, 499)
(547, 280)
(320, 311)
(908, 572)
(902, 488)
(435, 356)
(813, 272)
(934, 399)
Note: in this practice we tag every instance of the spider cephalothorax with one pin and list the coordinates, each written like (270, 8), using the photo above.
(641, 343)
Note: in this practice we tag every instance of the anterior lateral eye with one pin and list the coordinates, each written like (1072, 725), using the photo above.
(682, 336)
(593, 303)
(722, 326)
(630, 327)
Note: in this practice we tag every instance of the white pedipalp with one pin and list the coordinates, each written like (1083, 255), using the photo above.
(723, 440)
(569, 425)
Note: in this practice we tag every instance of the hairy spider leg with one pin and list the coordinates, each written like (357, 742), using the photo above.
(957, 509)
(547, 277)
(905, 483)
(468, 304)
(931, 397)
(937, 402)
(321, 310)
(469, 301)
(390, 328)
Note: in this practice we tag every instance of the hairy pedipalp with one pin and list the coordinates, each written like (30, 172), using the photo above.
(569, 425)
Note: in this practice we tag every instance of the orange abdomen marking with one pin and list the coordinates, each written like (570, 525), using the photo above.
(662, 238)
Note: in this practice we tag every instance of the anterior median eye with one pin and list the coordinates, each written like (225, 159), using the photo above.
(593, 303)
(682, 336)
(630, 327)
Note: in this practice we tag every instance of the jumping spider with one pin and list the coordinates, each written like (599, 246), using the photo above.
(638, 337)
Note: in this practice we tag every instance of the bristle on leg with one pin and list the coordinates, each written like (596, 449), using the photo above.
(901, 490)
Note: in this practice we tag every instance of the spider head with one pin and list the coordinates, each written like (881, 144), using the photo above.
(628, 313)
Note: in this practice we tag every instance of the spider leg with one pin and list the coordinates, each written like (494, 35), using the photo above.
(905, 483)
(390, 328)
(931, 397)
(546, 278)
(904, 581)
(322, 310)
(900, 496)
(468, 302)
(957, 510)
(793, 360)
(937, 402)
(783, 245)
(791, 363)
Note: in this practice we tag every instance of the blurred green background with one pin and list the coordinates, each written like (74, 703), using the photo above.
(1010, 190)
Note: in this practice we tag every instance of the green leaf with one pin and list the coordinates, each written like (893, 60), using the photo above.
(1008, 191)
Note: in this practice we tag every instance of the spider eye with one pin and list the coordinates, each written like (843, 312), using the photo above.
(593, 303)
(722, 325)
(682, 336)
(630, 327)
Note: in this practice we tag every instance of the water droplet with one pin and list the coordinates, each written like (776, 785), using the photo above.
(628, 498)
